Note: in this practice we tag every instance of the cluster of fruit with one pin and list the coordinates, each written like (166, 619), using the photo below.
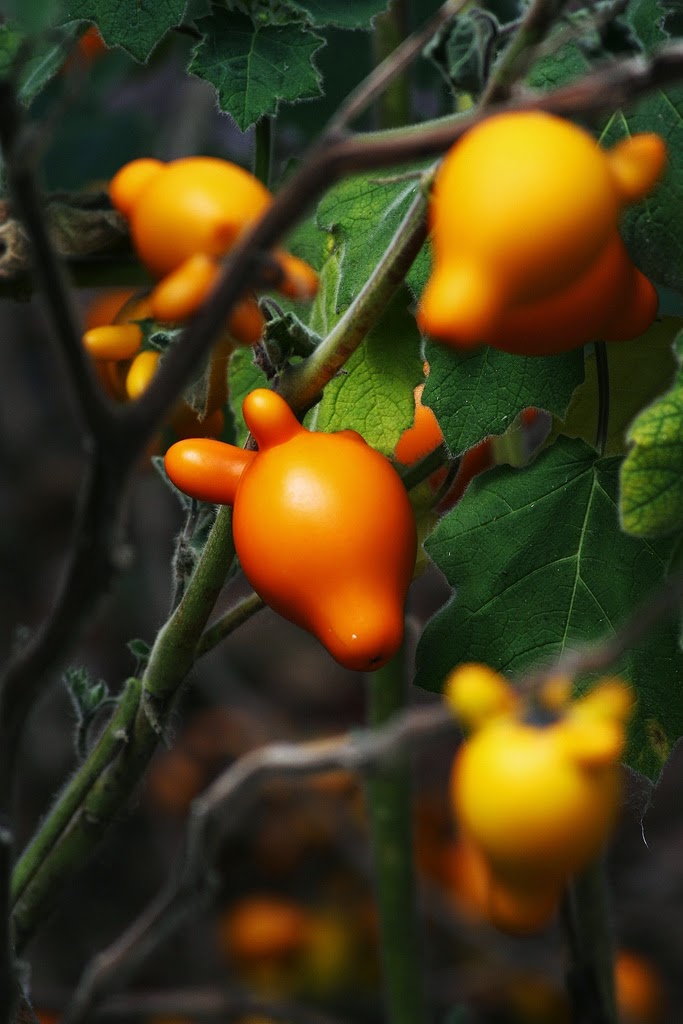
(535, 790)
(527, 253)
(184, 218)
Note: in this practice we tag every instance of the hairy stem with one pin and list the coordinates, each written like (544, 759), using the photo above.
(102, 753)
(301, 384)
(104, 789)
(390, 807)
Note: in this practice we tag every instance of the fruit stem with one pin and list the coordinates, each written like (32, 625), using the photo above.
(389, 801)
(590, 977)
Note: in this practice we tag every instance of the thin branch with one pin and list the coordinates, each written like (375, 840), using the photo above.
(602, 368)
(231, 793)
(92, 404)
(226, 1003)
(613, 85)
(393, 65)
(229, 622)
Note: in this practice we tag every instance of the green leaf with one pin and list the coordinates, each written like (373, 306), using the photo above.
(650, 228)
(362, 214)
(374, 392)
(45, 58)
(256, 67)
(638, 371)
(135, 25)
(540, 565)
(243, 376)
(651, 478)
(645, 17)
(479, 392)
(341, 13)
(556, 69)
(652, 474)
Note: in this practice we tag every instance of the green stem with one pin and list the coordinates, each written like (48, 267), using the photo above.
(263, 146)
(390, 808)
(301, 384)
(390, 29)
(229, 622)
(101, 788)
(590, 978)
(102, 753)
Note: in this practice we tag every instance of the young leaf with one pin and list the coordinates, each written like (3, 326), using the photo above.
(479, 392)
(255, 67)
(135, 25)
(540, 565)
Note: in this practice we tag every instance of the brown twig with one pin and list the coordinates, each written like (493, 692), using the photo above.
(192, 882)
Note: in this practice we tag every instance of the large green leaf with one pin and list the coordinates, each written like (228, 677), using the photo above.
(652, 473)
(639, 370)
(255, 67)
(479, 392)
(135, 25)
(362, 214)
(539, 565)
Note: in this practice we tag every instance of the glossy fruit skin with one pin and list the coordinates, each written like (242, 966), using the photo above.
(323, 529)
(192, 205)
(198, 466)
(187, 214)
(527, 257)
